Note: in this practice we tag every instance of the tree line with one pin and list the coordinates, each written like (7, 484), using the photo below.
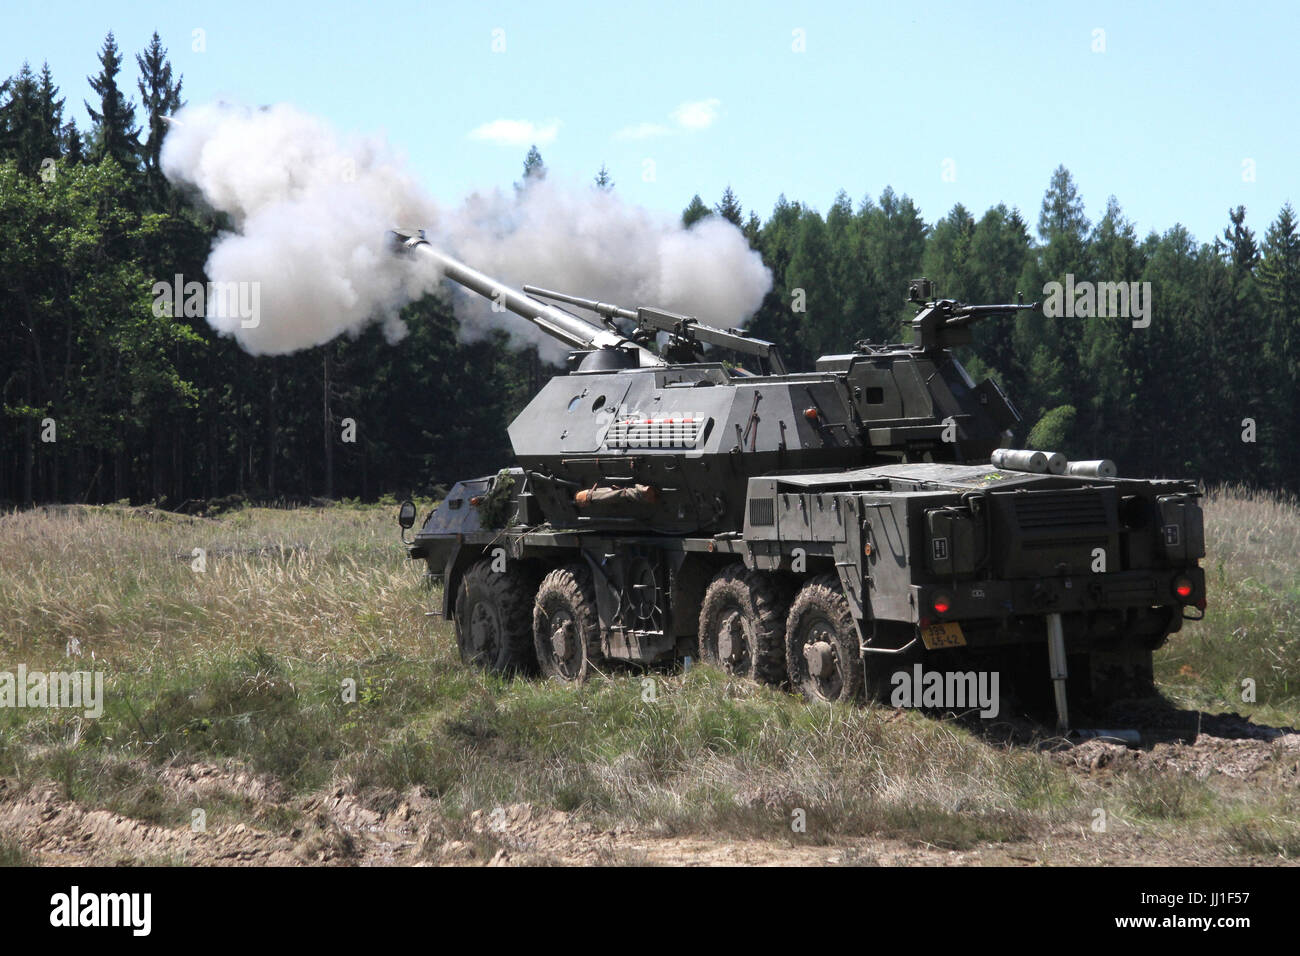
(104, 401)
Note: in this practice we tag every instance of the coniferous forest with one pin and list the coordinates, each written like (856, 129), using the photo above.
(103, 400)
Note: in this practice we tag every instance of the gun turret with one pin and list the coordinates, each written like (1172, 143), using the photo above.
(943, 323)
(608, 347)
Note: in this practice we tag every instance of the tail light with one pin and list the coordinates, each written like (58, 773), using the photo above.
(1184, 588)
(942, 604)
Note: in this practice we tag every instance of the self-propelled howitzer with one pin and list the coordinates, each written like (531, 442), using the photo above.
(819, 529)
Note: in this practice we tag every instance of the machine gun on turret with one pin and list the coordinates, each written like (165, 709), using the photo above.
(944, 323)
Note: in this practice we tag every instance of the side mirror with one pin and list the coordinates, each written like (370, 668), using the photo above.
(406, 514)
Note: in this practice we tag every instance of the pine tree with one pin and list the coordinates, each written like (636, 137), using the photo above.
(73, 143)
(115, 134)
(894, 236)
(534, 168)
(1278, 275)
(845, 269)
(729, 208)
(603, 180)
(50, 115)
(23, 124)
(695, 211)
(1239, 243)
(808, 285)
(159, 97)
(1062, 226)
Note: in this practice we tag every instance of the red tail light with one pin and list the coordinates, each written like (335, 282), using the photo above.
(942, 603)
(1183, 588)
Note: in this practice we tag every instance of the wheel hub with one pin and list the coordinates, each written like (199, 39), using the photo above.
(820, 656)
(482, 630)
(731, 639)
(562, 638)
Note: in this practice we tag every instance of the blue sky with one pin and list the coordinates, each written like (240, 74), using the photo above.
(1186, 101)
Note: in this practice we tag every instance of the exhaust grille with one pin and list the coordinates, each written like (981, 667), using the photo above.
(762, 512)
(1084, 508)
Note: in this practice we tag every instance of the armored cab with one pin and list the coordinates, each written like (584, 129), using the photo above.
(821, 530)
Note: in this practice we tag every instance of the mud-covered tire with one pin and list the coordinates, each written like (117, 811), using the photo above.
(493, 618)
(742, 624)
(820, 615)
(565, 625)
(1121, 673)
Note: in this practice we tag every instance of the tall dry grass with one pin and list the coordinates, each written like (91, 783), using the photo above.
(244, 661)
(1252, 625)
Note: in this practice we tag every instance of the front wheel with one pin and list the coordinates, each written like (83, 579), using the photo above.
(493, 626)
(566, 628)
(821, 643)
(1120, 673)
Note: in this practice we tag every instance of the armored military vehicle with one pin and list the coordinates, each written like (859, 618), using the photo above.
(822, 530)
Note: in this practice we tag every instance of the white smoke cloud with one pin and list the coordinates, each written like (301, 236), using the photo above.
(592, 243)
(311, 213)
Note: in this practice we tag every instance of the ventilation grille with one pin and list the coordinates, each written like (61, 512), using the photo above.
(674, 432)
(762, 512)
(1061, 509)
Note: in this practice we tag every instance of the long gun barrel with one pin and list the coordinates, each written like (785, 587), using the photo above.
(573, 331)
(684, 328)
(607, 309)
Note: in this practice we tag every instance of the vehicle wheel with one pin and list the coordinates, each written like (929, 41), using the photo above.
(821, 643)
(1124, 673)
(566, 628)
(742, 624)
(493, 624)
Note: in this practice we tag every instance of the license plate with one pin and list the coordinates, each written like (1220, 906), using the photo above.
(944, 634)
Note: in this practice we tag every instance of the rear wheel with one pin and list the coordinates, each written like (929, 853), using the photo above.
(1120, 673)
(566, 628)
(493, 620)
(822, 655)
(742, 624)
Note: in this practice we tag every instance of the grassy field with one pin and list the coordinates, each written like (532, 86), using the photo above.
(242, 664)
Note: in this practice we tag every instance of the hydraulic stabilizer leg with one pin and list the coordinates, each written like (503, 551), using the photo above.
(1056, 664)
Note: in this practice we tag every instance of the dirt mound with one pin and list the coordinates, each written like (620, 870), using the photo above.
(347, 824)
(55, 830)
(1226, 744)
(201, 781)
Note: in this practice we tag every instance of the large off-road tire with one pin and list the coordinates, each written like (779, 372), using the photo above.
(566, 627)
(742, 624)
(493, 618)
(1120, 673)
(821, 643)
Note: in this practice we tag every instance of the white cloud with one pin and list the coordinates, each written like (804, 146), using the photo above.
(698, 114)
(508, 132)
(642, 131)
